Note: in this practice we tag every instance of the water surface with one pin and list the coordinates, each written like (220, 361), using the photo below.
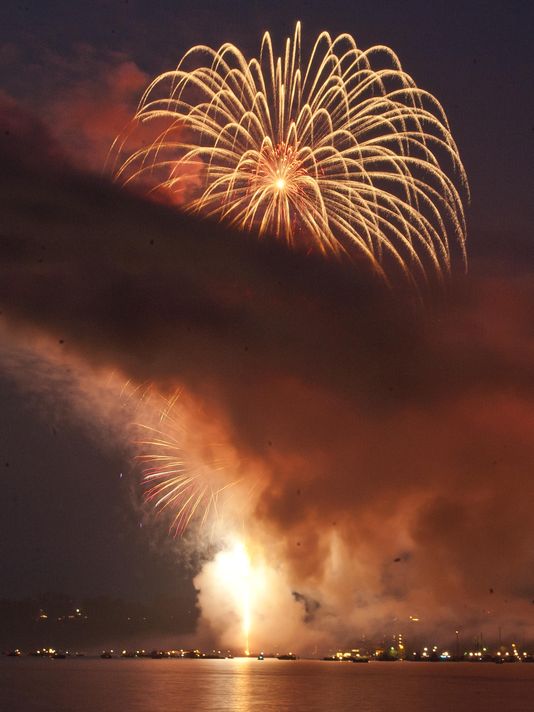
(240, 685)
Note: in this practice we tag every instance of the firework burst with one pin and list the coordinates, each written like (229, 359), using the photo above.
(342, 151)
(180, 476)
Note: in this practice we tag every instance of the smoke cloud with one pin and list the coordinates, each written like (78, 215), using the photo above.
(86, 96)
(388, 447)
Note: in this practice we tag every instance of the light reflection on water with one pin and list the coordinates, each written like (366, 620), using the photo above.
(241, 685)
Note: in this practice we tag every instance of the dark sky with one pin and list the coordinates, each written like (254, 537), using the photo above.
(68, 522)
(476, 57)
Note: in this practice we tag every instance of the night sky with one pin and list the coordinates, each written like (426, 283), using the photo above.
(71, 520)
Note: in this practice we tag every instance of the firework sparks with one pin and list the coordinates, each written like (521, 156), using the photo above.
(180, 476)
(342, 151)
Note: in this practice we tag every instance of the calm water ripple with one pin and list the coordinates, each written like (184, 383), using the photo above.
(240, 685)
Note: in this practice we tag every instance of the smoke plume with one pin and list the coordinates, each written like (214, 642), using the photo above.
(388, 448)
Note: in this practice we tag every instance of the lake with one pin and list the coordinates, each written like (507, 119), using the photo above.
(240, 685)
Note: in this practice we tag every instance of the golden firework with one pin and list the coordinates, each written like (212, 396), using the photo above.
(180, 475)
(342, 151)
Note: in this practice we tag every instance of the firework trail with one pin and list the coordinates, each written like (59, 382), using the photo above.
(342, 151)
